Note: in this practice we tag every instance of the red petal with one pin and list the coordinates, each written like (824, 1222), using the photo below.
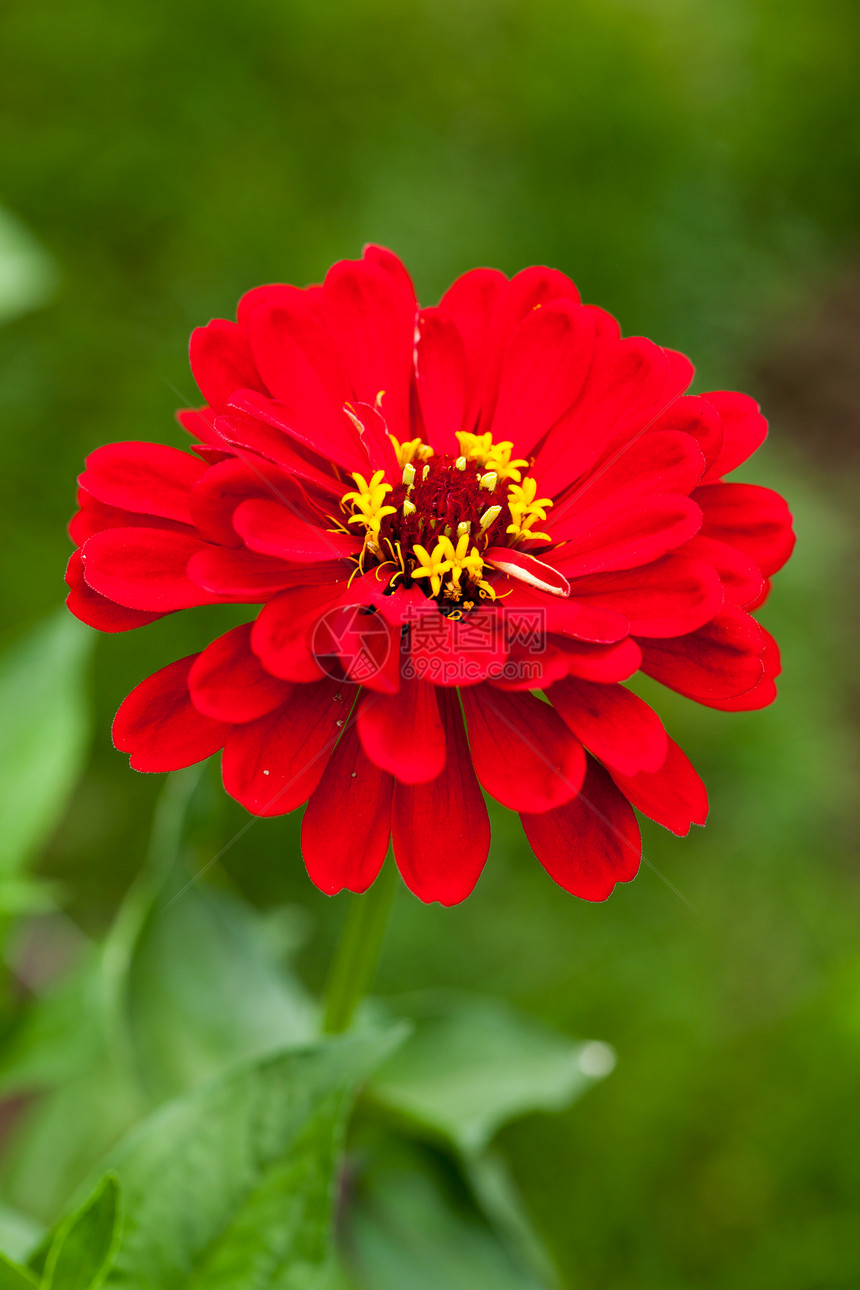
(274, 764)
(159, 725)
(441, 829)
(613, 723)
(270, 293)
(144, 477)
(719, 661)
(272, 528)
(144, 568)
(375, 439)
(258, 444)
(604, 663)
(245, 575)
(755, 519)
(522, 751)
(670, 597)
(742, 580)
(763, 694)
(744, 430)
(385, 259)
(228, 683)
(532, 669)
(95, 516)
(222, 362)
(674, 795)
(606, 328)
(441, 375)
(373, 324)
(281, 636)
(403, 733)
(696, 417)
(332, 436)
(200, 424)
(624, 394)
(227, 484)
(613, 536)
(526, 608)
(95, 610)
(659, 462)
(543, 369)
(591, 843)
(347, 824)
(296, 356)
(471, 301)
(534, 286)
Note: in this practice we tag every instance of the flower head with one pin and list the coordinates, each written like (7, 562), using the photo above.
(462, 529)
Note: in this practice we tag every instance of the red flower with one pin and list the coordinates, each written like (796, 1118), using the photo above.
(441, 511)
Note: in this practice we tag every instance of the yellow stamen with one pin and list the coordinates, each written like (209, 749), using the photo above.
(432, 566)
(411, 450)
(526, 509)
(461, 562)
(491, 514)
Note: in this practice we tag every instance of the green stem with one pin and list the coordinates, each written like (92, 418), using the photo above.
(357, 954)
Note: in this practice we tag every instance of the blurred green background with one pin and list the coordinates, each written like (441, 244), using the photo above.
(696, 169)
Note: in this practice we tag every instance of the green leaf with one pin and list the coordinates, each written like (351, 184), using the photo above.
(230, 1187)
(187, 983)
(85, 1243)
(413, 1226)
(14, 1277)
(204, 989)
(18, 1233)
(28, 275)
(473, 1063)
(43, 735)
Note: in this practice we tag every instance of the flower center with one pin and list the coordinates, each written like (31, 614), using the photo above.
(434, 526)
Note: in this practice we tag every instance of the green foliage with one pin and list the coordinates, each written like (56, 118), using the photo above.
(13, 1277)
(43, 740)
(230, 1187)
(185, 983)
(472, 1064)
(27, 274)
(84, 1246)
(412, 1224)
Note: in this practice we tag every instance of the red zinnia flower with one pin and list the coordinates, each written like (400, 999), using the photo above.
(441, 511)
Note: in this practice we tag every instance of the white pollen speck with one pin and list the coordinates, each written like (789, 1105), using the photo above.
(354, 773)
(339, 723)
(265, 772)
